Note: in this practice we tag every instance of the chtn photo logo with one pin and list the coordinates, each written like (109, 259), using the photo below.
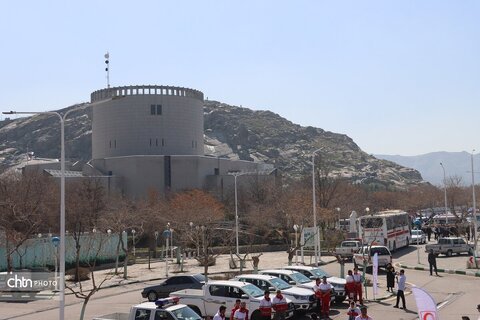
(19, 282)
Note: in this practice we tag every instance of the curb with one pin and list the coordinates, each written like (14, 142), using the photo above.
(449, 271)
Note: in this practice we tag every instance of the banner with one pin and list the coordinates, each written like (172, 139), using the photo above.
(427, 308)
(308, 237)
(375, 275)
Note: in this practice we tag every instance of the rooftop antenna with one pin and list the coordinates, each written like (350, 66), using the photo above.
(107, 68)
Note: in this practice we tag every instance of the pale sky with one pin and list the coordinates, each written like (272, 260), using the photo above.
(398, 77)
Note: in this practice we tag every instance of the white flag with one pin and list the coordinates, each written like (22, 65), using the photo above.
(427, 308)
(375, 274)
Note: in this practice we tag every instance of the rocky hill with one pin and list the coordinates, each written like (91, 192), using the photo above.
(231, 132)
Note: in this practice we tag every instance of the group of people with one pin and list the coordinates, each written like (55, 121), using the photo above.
(323, 291)
(354, 292)
(401, 282)
(353, 287)
(277, 306)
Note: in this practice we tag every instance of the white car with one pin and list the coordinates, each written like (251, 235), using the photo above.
(316, 272)
(294, 278)
(418, 236)
(302, 298)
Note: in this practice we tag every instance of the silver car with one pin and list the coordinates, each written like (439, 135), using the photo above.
(418, 237)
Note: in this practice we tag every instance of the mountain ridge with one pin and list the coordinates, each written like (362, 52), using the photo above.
(428, 164)
(230, 132)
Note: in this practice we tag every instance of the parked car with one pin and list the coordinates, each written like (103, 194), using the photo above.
(161, 309)
(302, 298)
(364, 257)
(348, 248)
(449, 246)
(418, 236)
(171, 284)
(317, 272)
(206, 301)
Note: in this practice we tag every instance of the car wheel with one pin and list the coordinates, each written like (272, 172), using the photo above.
(449, 253)
(152, 296)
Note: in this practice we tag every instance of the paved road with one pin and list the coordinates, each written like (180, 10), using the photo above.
(455, 294)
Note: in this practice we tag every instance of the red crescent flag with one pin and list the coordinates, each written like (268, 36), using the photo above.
(427, 307)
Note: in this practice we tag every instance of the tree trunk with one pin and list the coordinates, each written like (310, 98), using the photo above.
(9, 256)
(77, 262)
(117, 255)
(84, 306)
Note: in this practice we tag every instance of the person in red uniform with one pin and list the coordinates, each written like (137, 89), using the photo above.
(235, 308)
(357, 277)
(242, 313)
(279, 304)
(266, 306)
(350, 286)
(325, 289)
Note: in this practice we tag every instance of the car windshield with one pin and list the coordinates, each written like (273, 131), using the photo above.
(252, 290)
(416, 232)
(186, 313)
(319, 273)
(300, 278)
(280, 284)
(199, 277)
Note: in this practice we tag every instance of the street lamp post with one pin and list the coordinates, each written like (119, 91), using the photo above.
(191, 236)
(171, 243)
(62, 202)
(295, 227)
(445, 192)
(133, 241)
(338, 217)
(62, 196)
(56, 241)
(235, 175)
(318, 255)
(166, 235)
(197, 228)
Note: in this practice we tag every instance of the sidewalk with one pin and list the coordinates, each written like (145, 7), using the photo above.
(138, 273)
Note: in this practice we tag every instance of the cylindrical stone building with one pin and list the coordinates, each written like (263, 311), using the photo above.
(147, 120)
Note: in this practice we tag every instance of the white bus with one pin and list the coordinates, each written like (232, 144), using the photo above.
(386, 228)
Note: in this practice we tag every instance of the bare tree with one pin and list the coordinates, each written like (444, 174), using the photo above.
(24, 202)
(84, 205)
(204, 213)
(123, 215)
(92, 247)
